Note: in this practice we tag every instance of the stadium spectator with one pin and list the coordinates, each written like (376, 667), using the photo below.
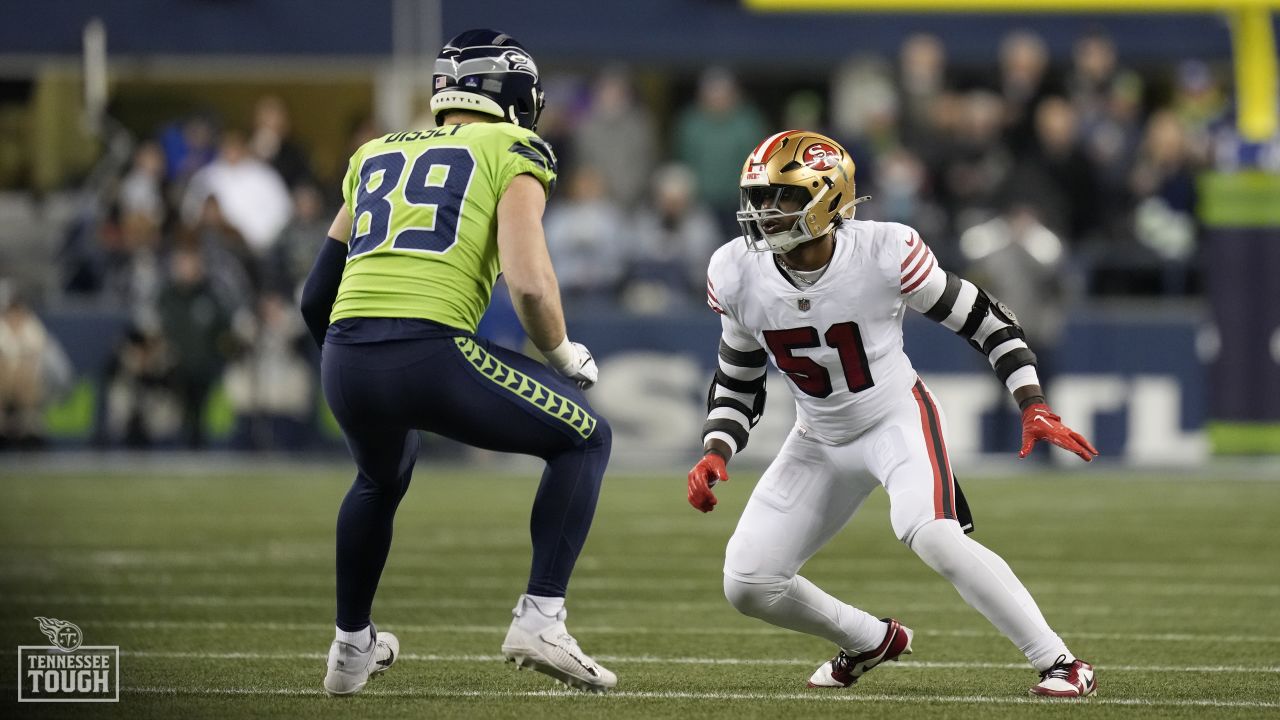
(586, 236)
(864, 111)
(713, 138)
(138, 221)
(922, 79)
(142, 188)
(903, 193)
(189, 144)
(803, 108)
(196, 328)
(233, 269)
(1164, 167)
(1163, 180)
(1094, 69)
(295, 250)
(568, 100)
(1024, 80)
(34, 370)
(1057, 173)
(977, 163)
(270, 142)
(1198, 102)
(253, 198)
(618, 139)
(138, 407)
(270, 383)
(1110, 141)
(1022, 262)
(674, 238)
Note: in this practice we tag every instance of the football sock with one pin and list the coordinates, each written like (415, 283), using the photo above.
(535, 613)
(549, 606)
(362, 638)
(798, 604)
(986, 582)
(563, 509)
(364, 534)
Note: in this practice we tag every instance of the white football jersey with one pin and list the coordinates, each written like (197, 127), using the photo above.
(838, 342)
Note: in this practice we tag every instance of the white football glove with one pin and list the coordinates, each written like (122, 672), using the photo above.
(573, 360)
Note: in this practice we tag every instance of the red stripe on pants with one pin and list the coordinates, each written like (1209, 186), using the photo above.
(944, 493)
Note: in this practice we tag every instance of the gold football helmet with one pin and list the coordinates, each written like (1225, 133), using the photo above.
(796, 186)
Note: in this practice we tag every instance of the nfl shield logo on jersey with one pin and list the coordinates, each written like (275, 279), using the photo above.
(803, 304)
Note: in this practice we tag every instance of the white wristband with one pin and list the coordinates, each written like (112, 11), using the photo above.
(560, 356)
(1023, 376)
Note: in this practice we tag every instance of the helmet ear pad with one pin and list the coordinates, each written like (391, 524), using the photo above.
(488, 72)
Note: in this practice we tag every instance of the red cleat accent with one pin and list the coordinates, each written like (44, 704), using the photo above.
(1066, 680)
(844, 670)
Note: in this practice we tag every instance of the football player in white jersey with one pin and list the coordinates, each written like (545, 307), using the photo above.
(823, 296)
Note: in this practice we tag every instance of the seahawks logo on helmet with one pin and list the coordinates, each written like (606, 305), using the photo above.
(519, 62)
(489, 72)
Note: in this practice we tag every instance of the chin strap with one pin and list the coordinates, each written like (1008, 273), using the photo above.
(856, 202)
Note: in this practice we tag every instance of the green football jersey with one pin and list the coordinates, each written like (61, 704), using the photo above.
(425, 205)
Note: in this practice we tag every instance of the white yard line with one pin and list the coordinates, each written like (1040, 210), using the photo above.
(817, 696)
(616, 630)
(655, 660)
(244, 567)
(443, 554)
(318, 600)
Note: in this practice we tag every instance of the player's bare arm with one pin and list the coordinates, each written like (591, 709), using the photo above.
(526, 263)
(340, 228)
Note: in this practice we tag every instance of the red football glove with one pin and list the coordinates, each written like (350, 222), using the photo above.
(1039, 423)
(709, 471)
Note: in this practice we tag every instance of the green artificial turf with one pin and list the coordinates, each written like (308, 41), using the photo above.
(219, 592)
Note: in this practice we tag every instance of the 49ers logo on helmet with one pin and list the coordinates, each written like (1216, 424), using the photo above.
(821, 156)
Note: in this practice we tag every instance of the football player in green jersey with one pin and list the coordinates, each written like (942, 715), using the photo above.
(430, 218)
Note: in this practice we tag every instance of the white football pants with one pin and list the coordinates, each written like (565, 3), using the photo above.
(812, 490)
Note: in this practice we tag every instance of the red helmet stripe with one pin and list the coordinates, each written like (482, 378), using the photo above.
(764, 149)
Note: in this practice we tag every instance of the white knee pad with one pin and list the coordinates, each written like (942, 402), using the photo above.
(936, 543)
(753, 599)
(908, 512)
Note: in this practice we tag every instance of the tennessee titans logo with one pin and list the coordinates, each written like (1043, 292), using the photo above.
(821, 156)
(64, 635)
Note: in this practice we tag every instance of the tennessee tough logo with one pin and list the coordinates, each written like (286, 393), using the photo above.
(64, 635)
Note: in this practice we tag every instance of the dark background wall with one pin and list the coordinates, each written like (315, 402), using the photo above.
(654, 31)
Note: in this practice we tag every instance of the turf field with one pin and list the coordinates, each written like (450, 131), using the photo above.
(218, 590)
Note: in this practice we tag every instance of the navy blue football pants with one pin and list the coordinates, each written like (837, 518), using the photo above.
(464, 388)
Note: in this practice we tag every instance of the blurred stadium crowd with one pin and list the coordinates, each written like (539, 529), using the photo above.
(1050, 184)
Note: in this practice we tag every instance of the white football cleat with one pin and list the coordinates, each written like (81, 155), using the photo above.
(844, 669)
(552, 651)
(350, 668)
(1066, 679)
